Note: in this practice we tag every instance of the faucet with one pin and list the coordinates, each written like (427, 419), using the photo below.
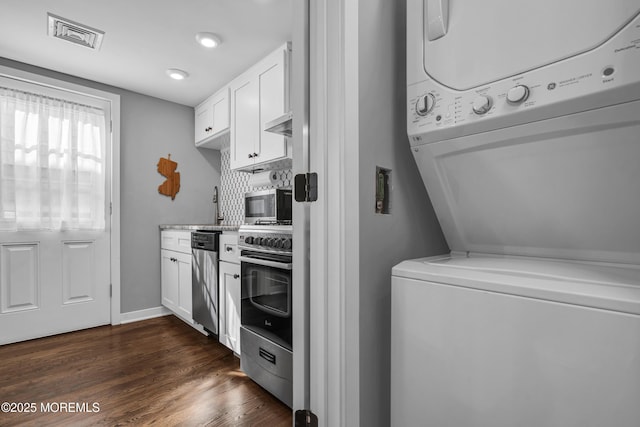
(216, 213)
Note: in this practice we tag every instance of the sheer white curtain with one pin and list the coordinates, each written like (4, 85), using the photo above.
(52, 163)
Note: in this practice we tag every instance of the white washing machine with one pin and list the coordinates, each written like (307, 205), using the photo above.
(524, 121)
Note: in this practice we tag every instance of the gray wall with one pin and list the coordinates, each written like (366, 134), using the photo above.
(411, 230)
(151, 128)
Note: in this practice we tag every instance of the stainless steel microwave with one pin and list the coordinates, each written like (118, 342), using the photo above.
(268, 206)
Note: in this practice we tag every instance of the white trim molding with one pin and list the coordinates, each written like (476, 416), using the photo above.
(148, 313)
(301, 211)
(334, 249)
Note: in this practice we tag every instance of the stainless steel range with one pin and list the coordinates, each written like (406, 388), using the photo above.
(266, 289)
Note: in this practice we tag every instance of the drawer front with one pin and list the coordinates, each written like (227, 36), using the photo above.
(268, 364)
(176, 240)
(229, 247)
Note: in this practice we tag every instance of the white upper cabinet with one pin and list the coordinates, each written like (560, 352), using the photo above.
(245, 121)
(259, 96)
(212, 120)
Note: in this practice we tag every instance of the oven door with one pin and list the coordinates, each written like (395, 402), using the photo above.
(266, 294)
(268, 281)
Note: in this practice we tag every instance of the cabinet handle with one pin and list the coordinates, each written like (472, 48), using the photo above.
(229, 248)
(250, 156)
(255, 154)
(235, 276)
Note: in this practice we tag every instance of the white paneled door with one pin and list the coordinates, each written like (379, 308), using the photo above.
(55, 258)
(52, 282)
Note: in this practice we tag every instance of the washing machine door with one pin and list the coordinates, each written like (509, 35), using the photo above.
(470, 43)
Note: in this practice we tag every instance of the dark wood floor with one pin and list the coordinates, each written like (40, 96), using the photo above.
(158, 371)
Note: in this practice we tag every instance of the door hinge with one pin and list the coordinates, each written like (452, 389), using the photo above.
(306, 187)
(305, 418)
(110, 290)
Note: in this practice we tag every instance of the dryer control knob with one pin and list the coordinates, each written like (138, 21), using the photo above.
(425, 104)
(517, 95)
(482, 104)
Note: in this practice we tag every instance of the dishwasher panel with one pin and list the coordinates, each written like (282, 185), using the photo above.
(204, 274)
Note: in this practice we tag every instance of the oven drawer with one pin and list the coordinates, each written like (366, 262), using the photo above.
(229, 247)
(268, 364)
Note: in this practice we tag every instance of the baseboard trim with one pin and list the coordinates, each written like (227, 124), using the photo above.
(148, 313)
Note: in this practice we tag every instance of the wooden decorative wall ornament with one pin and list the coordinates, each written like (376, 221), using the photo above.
(167, 168)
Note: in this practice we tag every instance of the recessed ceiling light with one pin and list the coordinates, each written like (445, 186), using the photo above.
(177, 74)
(208, 39)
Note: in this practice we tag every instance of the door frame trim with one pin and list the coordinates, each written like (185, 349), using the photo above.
(335, 222)
(114, 100)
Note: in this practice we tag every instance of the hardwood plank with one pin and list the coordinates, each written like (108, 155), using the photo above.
(158, 371)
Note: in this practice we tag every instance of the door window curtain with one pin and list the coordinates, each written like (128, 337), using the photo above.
(52, 163)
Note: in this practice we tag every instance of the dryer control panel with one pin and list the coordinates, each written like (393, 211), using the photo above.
(606, 75)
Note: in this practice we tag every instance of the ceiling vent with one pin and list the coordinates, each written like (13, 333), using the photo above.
(74, 32)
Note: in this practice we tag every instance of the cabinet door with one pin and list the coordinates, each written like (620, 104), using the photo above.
(230, 305)
(203, 121)
(273, 104)
(220, 106)
(245, 121)
(169, 279)
(184, 285)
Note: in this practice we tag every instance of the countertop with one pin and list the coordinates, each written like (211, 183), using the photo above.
(208, 227)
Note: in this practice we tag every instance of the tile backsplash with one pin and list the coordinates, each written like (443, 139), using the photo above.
(234, 184)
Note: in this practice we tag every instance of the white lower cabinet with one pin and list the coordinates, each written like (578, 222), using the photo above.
(176, 275)
(230, 307)
(229, 284)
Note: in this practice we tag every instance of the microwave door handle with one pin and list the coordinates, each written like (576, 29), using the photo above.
(264, 262)
(437, 18)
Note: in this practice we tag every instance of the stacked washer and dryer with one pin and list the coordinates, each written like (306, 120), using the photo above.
(524, 121)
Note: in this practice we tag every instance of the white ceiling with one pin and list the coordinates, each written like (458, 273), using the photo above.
(143, 38)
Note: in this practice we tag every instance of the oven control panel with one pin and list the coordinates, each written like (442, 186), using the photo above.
(273, 242)
(265, 238)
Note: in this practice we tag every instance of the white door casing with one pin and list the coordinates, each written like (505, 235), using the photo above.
(58, 281)
(334, 217)
(300, 106)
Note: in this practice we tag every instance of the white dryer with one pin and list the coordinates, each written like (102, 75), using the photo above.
(524, 121)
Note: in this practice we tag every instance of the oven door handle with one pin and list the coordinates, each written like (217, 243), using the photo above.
(266, 263)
